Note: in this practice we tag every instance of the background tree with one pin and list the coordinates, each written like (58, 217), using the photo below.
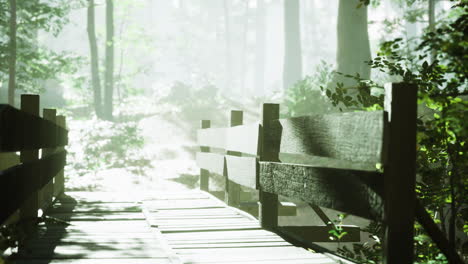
(12, 49)
(95, 78)
(228, 52)
(260, 32)
(292, 67)
(353, 48)
(35, 63)
(109, 74)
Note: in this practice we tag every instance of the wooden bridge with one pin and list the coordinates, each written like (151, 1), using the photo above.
(325, 160)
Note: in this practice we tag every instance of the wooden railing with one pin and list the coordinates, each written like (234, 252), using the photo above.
(328, 161)
(31, 182)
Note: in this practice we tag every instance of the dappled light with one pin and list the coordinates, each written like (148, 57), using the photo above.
(233, 131)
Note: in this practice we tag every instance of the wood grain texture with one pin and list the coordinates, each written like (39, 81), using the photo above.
(211, 162)
(354, 192)
(353, 136)
(242, 170)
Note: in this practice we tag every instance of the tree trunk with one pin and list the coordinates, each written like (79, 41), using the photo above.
(109, 76)
(245, 54)
(12, 58)
(260, 48)
(431, 15)
(292, 69)
(228, 53)
(95, 79)
(353, 47)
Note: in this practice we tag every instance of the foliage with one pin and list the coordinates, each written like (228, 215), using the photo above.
(36, 62)
(442, 162)
(369, 252)
(305, 96)
(108, 145)
(337, 231)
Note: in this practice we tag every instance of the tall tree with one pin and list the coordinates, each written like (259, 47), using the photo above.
(228, 52)
(260, 37)
(12, 57)
(244, 58)
(353, 47)
(109, 74)
(292, 69)
(431, 15)
(95, 79)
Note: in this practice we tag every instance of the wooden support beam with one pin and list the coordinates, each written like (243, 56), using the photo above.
(354, 192)
(399, 173)
(268, 204)
(205, 174)
(29, 209)
(321, 233)
(50, 133)
(59, 183)
(232, 189)
(284, 208)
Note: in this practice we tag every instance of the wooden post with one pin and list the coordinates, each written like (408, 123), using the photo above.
(28, 211)
(48, 190)
(232, 189)
(205, 174)
(399, 173)
(268, 204)
(59, 183)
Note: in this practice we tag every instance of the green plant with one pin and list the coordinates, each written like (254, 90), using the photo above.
(108, 145)
(439, 71)
(337, 230)
(305, 97)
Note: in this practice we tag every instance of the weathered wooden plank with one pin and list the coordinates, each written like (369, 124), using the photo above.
(243, 138)
(212, 137)
(221, 255)
(355, 136)
(354, 192)
(226, 234)
(161, 260)
(400, 173)
(97, 197)
(182, 204)
(20, 130)
(216, 211)
(73, 216)
(268, 201)
(205, 174)
(238, 244)
(284, 208)
(211, 162)
(242, 170)
(212, 228)
(93, 208)
(87, 251)
(321, 233)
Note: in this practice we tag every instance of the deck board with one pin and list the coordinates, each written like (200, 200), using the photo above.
(94, 228)
(201, 229)
(166, 228)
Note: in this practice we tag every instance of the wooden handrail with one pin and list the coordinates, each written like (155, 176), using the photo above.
(31, 184)
(363, 138)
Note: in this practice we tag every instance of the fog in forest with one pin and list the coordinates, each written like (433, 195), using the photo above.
(134, 79)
